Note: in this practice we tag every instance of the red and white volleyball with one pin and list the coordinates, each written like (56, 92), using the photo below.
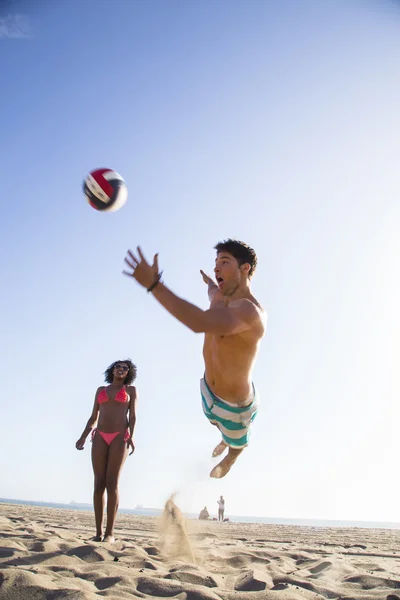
(105, 190)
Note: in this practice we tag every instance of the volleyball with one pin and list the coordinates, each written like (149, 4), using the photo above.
(105, 190)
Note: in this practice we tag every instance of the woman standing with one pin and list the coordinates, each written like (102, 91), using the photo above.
(114, 412)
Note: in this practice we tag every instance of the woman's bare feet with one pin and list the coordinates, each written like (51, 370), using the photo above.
(109, 539)
(97, 538)
(226, 463)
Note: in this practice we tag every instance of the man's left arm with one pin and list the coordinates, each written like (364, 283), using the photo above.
(217, 320)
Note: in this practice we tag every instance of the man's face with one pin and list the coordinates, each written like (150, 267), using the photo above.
(227, 273)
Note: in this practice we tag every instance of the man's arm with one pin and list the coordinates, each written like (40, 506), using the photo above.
(238, 318)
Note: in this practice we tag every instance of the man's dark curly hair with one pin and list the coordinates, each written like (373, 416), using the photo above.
(241, 251)
(131, 376)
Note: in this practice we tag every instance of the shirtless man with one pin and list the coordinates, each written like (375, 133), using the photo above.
(233, 327)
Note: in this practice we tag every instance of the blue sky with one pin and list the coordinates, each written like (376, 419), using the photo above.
(275, 122)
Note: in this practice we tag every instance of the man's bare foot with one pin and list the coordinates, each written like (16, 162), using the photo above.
(96, 538)
(218, 450)
(109, 539)
(221, 469)
(226, 463)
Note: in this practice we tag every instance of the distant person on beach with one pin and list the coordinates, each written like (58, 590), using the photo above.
(221, 508)
(233, 327)
(204, 514)
(114, 413)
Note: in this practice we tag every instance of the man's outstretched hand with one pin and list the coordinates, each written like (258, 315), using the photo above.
(140, 269)
(207, 279)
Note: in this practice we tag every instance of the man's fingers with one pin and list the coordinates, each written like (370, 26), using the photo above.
(132, 257)
(126, 273)
(206, 278)
(155, 262)
(129, 263)
(139, 251)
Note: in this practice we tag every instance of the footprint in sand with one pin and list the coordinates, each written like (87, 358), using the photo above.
(89, 554)
(321, 567)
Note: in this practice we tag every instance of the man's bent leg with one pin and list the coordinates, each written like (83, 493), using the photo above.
(226, 463)
(219, 449)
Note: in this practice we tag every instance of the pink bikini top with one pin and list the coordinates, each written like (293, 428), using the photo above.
(120, 396)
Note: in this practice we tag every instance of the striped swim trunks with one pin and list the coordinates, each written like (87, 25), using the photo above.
(232, 421)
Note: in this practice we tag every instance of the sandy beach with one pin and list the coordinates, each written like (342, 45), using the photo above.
(47, 554)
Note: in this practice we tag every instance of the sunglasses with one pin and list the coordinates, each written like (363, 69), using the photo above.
(123, 367)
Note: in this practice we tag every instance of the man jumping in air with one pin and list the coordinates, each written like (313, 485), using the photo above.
(233, 327)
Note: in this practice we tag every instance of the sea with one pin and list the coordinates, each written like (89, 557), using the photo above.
(155, 512)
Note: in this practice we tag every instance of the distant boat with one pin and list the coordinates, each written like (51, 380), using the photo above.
(139, 506)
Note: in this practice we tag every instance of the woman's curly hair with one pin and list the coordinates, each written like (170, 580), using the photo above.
(130, 377)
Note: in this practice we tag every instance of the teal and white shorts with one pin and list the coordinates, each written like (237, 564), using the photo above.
(232, 421)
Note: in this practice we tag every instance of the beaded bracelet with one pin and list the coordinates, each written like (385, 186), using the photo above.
(156, 282)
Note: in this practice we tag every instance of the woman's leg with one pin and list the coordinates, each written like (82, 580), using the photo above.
(99, 461)
(116, 457)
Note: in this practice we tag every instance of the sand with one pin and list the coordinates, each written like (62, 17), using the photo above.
(46, 554)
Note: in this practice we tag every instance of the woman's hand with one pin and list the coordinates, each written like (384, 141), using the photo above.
(80, 443)
(130, 444)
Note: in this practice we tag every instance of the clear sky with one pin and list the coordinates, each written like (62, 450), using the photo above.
(276, 122)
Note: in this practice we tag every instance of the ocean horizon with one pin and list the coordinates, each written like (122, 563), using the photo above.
(154, 512)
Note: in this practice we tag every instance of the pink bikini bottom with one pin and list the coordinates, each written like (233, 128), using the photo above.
(108, 437)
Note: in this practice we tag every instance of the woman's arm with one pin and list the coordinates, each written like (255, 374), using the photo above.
(132, 409)
(90, 424)
(132, 415)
